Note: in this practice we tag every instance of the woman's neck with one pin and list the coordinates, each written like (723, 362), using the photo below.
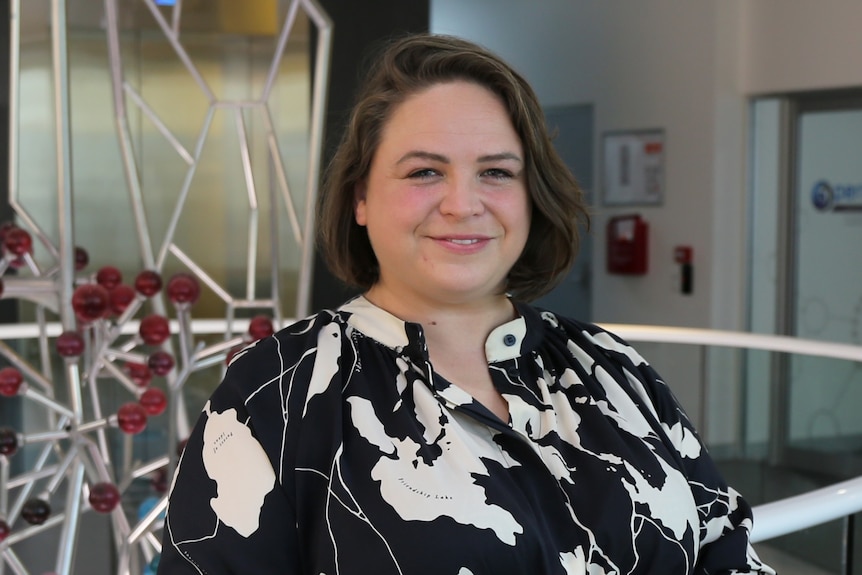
(449, 325)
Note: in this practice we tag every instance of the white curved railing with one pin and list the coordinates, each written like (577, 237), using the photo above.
(794, 513)
(772, 519)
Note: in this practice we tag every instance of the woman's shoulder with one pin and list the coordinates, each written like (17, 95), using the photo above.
(271, 358)
(588, 336)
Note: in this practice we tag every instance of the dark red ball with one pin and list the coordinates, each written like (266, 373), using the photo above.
(90, 302)
(109, 277)
(82, 258)
(104, 497)
(161, 363)
(139, 373)
(10, 381)
(5, 530)
(148, 283)
(17, 241)
(119, 298)
(260, 327)
(70, 344)
(183, 288)
(153, 401)
(132, 418)
(35, 511)
(8, 441)
(154, 329)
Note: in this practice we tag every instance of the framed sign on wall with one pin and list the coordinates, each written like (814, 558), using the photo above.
(633, 168)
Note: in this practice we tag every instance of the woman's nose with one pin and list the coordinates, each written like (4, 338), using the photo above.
(462, 198)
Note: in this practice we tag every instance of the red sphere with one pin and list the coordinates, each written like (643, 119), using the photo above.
(159, 480)
(5, 530)
(90, 302)
(119, 298)
(260, 327)
(70, 344)
(161, 362)
(154, 329)
(148, 283)
(82, 258)
(8, 441)
(104, 497)
(10, 381)
(132, 418)
(183, 288)
(139, 373)
(18, 241)
(154, 401)
(35, 511)
(108, 277)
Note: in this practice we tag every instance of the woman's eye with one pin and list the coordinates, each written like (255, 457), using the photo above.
(422, 173)
(497, 173)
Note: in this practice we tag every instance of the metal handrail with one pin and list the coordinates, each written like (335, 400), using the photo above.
(794, 513)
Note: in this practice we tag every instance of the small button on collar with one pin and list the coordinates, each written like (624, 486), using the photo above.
(509, 340)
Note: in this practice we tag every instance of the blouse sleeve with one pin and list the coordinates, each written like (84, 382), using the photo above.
(228, 510)
(725, 517)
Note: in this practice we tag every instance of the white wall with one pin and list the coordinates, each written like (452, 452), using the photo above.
(646, 65)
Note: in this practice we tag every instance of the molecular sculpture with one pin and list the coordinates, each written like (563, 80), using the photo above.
(117, 338)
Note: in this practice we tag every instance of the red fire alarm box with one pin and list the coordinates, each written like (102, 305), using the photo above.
(627, 245)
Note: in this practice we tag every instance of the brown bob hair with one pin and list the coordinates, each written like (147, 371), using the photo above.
(407, 66)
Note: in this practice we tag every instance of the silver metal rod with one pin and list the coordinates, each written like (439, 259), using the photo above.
(148, 520)
(124, 379)
(129, 356)
(31, 476)
(201, 274)
(69, 534)
(184, 191)
(149, 467)
(318, 111)
(13, 561)
(4, 482)
(289, 20)
(62, 469)
(251, 256)
(48, 402)
(65, 212)
(180, 50)
(175, 17)
(281, 176)
(15, 126)
(44, 351)
(121, 123)
(25, 368)
(157, 122)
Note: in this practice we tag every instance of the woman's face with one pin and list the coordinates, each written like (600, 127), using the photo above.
(445, 202)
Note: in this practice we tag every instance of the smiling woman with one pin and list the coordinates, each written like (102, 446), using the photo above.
(439, 424)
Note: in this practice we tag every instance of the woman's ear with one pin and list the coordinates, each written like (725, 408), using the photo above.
(359, 205)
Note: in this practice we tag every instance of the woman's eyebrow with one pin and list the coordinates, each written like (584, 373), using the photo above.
(501, 156)
(422, 155)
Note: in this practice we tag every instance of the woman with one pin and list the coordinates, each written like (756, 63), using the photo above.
(438, 424)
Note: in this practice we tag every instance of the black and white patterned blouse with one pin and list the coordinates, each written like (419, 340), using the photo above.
(333, 448)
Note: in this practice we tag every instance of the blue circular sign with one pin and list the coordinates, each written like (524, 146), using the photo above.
(822, 195)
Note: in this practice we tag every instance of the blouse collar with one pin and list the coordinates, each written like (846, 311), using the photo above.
(506, 341)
